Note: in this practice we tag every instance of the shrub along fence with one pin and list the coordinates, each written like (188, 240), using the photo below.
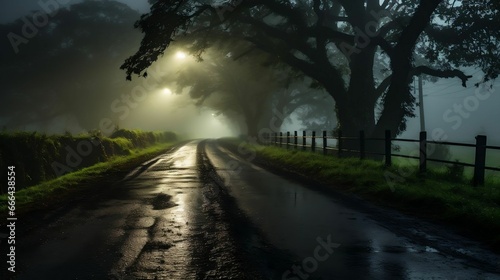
(39, 157)
(289, 140)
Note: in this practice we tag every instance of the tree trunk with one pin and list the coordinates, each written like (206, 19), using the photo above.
(399, 101)
(355, 115)
(356, 109)
(252, 127)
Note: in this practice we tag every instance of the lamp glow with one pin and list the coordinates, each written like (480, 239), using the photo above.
(180, 55)
(166, 91)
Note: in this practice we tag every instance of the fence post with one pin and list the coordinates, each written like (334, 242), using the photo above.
(340, 144)
(304, 142)
(480, 161)
(288, 139)
(313, 141)
(296, 139)
(423, 152)
(324, 142)
(388, 159)
(281, 139)
(362, 144)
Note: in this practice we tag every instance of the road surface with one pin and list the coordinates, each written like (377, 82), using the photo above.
(201, 211)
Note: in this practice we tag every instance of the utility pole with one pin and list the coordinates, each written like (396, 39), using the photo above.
(421, 102)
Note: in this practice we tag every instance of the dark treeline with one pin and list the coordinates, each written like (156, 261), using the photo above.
(69, 68)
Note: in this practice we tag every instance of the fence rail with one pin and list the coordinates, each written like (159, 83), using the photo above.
(292, 141)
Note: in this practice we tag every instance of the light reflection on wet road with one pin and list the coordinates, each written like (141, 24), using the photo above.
(168, 197)
(175, 220)
(294, 217)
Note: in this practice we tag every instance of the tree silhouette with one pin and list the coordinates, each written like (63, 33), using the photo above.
(71, 67)
(323, 38)
(245, 89)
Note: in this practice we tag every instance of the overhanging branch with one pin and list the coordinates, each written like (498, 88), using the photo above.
(289, 39)
(441, 73)
(330, 77)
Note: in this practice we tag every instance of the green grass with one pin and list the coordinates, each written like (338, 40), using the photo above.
(475, 211)
(461, 154)
(40, 157)
(53, 193)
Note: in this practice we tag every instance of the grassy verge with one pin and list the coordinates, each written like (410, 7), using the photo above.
(41, 157)
(474, 211)
(52, 194)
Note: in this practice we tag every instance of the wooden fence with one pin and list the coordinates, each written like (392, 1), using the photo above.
(288, 140)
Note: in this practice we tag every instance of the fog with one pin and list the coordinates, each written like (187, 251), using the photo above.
(479, 116)
(67, 78)
(167, 111)
(90, 92)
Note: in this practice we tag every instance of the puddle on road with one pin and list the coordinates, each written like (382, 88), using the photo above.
(162, 201)
(185, 157)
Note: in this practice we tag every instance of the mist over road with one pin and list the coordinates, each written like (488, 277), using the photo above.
(201, 211)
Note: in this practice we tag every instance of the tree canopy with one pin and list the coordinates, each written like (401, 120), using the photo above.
(246, 90)
(325, 39)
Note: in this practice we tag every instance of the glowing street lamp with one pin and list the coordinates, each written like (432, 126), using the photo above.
(180, 55)
(167, 91)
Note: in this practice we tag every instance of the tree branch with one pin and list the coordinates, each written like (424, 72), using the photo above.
(284, 36)
(398, 22)
(330, 78)
(384, 45)
(356, 12)
(294, 16)
(382, 87)
(441, 73)
(330, 34)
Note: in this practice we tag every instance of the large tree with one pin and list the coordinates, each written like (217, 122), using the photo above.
(69, 67)
(323, 37)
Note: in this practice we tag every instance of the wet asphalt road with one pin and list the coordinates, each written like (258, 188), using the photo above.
(204, 212)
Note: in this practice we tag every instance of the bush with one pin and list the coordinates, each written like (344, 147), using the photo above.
(455, 172)
(38, 157)
(438, 151)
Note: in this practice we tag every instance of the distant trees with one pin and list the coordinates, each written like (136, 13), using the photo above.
(317, 113)
(247, 90)
(327, 39)
(71, 66)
